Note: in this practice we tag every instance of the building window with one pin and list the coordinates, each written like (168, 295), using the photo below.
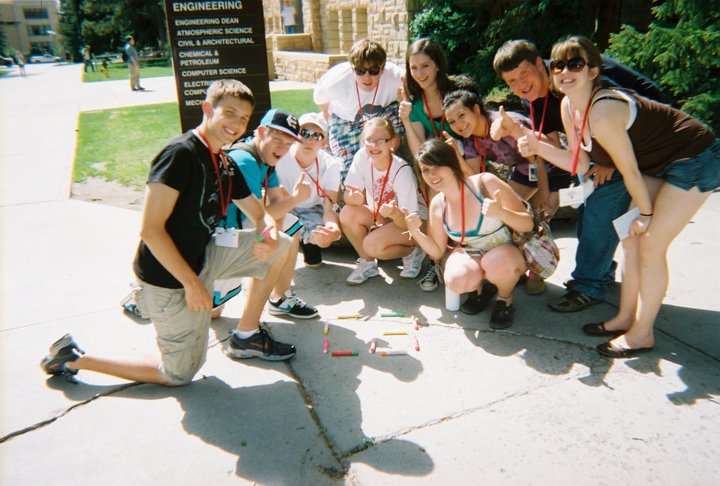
(36, 13)
(38, 29)
(40, 47)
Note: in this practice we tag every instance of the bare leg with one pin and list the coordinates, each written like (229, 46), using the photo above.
(356, 222)
(463, 273)
(284, 280)
(258, 293)
(145, 369)
(388, 243)
(672, 208)
(503, 266)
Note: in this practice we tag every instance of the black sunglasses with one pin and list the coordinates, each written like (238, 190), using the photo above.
(307, 134)
(575, 65)
(374, 71)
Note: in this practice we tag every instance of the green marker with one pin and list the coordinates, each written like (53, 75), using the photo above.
(392, 314)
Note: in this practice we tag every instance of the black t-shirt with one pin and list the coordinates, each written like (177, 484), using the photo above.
(186, 166)
(614, 75)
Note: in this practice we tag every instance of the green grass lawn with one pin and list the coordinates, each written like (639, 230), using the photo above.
(120, 71)
(119, 144)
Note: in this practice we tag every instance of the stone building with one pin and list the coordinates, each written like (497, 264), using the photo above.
(329, 28)
(30, 26)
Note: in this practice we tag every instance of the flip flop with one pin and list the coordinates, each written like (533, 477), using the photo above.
(607, 349)
(597, 329)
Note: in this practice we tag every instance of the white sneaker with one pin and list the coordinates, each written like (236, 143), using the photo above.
(362, 272)
(412, 264)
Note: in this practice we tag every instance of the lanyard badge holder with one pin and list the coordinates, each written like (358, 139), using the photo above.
(574, 195)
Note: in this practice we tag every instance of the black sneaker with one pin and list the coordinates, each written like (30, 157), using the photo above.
(573, 301)
(476, 303)
(293, 306)
(62, 351)
(431, 279)
(312, 255)
(259, 345)
(502, 315)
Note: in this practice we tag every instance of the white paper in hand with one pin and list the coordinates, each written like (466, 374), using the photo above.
(622, 224)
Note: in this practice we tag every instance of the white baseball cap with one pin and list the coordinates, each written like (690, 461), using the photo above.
(314, 118)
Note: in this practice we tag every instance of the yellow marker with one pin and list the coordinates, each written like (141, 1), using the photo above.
(326, 328)
(395, 333)
(349, 316)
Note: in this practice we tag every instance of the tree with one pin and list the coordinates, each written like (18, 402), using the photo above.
(680, 52)
(104, 24)
(472, 35)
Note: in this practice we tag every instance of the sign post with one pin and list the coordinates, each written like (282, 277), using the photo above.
(217, 40)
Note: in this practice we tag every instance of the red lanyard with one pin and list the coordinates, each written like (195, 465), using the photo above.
(542, 118)
(320, 191)
(382, 190)
(432, 122)
(481, 150)
(462, 216)
(576, 152)
(372, 103)
(224, 202)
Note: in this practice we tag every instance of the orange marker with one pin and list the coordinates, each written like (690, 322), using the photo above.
(393, 352)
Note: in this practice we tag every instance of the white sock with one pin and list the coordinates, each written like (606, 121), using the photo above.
(245, 334)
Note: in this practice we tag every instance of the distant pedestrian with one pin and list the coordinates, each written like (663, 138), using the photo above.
(133, 61)
(104, 68)
(289, 15)
(88, 58)
(21, 63)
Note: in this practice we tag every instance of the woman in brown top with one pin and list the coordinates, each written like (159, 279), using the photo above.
(670, 162)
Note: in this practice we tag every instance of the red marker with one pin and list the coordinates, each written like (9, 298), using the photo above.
(416, 342)
(264, 235)
(417, 324)
(326, 345)
(344, 353)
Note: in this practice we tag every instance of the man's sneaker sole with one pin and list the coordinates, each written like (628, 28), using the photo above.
(279, 312)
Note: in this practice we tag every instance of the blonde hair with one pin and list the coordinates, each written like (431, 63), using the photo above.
(379, 122)
(221, 88)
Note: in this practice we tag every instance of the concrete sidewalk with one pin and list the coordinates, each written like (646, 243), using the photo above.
(532, 405)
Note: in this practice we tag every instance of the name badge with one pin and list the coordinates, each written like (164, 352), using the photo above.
(576, 195)
(532, 172)
(227, 237)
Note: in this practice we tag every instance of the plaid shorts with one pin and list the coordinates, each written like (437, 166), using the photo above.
(345, 136)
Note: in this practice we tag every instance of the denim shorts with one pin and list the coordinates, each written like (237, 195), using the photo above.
(701, 171)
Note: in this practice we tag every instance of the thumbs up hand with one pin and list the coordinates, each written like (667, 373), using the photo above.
(302, 189)
(405, 105)
(493, 208)
(353, 196)
(503, 126)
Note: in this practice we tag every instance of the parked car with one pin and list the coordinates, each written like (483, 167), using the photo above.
(6, 61)
(44, 58)
(112, 57)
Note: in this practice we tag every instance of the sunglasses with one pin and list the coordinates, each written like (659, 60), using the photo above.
(374, 71)
(574, 65)
(308, 134)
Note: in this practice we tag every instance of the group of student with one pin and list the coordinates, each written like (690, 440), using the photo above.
(407, 176)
